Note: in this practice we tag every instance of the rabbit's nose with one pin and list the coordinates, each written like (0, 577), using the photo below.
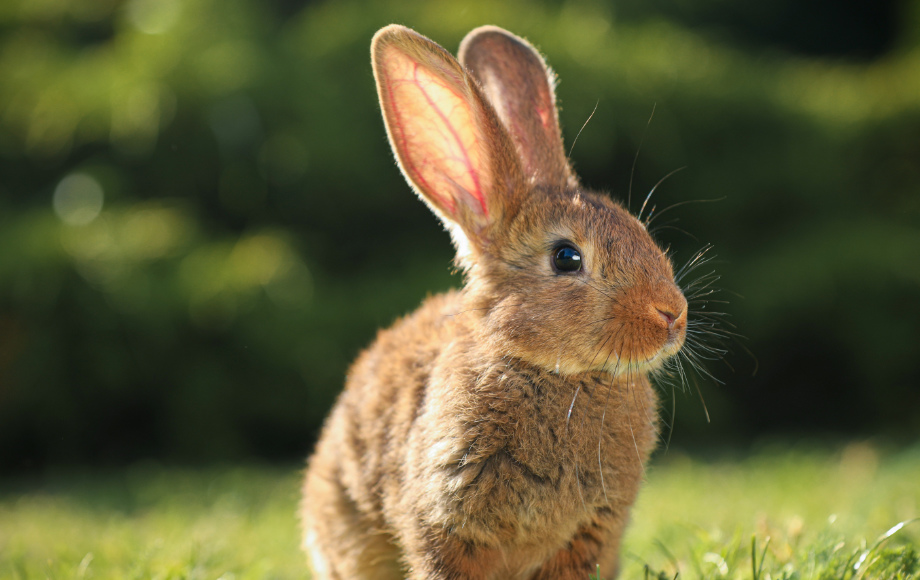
(669, 317)
(672, 310)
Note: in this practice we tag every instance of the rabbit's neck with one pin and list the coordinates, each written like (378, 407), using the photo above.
(549, 419)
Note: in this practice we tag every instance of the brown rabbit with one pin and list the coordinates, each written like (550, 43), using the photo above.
(501, 430)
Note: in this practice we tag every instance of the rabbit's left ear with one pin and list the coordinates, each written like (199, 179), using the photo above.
(520, 87)
(449, 143)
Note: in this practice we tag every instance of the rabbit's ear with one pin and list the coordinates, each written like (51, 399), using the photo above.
(520, 86)
(449, 143)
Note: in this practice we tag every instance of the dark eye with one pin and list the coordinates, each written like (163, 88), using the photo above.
(566, 259)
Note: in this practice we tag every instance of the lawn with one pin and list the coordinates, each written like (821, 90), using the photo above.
(807, 512)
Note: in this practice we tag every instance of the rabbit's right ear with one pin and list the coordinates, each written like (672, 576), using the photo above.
(449, 143)
(522, 89)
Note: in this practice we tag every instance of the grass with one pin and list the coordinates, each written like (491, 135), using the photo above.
(154, 522)
(777, 514)
(780, 514)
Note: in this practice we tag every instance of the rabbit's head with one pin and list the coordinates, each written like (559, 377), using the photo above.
(557, 276)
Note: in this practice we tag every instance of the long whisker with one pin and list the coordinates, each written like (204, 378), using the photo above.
(680, 371)
(702, 400)
(667, 443)
(572, 406)
(586, 283)
(685, 202)
(667, 226)
(660, 181)
(583, 127)
(693, 263)
(628, 414)
(600, 349)
(632, 170)
(600, 435)
(648, 418)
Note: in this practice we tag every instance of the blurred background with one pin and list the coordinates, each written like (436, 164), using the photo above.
(201, 223)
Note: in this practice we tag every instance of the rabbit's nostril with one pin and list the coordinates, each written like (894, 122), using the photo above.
(669, 317)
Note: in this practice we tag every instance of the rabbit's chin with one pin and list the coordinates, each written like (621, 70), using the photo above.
(634, 363)
(611, 363)
(643, 367)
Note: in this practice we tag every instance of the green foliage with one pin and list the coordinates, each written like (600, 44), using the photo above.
(202, 223)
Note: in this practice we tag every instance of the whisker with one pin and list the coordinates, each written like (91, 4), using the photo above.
(694, 262)
(632, 170)
(586, 283)
(699, 368)
(685, 202)
(702, 400)
(670, 424)
(712, 328)
(702, 281)
(583, 127)
(659, 228)
(714, 353)
(660, 181)
(600, 349)
(629, 415)
(571, 406)
(645, 407)
(682, 374)
(600, 436)
(701, 285)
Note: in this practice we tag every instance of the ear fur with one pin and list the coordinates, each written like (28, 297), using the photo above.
(447, 139)
(521, 87)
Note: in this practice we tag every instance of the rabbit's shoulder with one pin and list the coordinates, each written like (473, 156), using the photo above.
(405, 352)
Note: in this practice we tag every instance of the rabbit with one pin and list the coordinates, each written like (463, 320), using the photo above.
(501, 430)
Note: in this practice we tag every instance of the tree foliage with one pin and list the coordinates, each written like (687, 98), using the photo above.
(202, 224)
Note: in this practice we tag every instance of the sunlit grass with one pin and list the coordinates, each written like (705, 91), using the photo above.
(151, 522)
(778, 514)
(808, 513)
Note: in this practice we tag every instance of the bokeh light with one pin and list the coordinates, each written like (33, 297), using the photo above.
(153, 16)
(78, 199)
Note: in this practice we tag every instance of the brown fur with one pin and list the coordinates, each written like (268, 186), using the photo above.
(500, 431)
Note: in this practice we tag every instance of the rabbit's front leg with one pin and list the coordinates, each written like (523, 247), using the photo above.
(594, 546)
(439, 555)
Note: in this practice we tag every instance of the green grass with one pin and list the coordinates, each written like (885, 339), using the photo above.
(806, 514)
(151, 522)
(778, 514)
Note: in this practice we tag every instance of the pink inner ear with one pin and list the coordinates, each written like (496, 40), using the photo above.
(546, 117)
(434, 130)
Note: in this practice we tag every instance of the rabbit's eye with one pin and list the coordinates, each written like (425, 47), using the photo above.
(567, 259)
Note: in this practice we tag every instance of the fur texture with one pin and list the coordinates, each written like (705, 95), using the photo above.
(501, 430)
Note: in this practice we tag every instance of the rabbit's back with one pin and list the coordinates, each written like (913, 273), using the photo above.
(363, 441)
(365, 434)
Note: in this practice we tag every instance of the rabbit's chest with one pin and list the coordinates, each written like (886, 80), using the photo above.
(543, 456)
